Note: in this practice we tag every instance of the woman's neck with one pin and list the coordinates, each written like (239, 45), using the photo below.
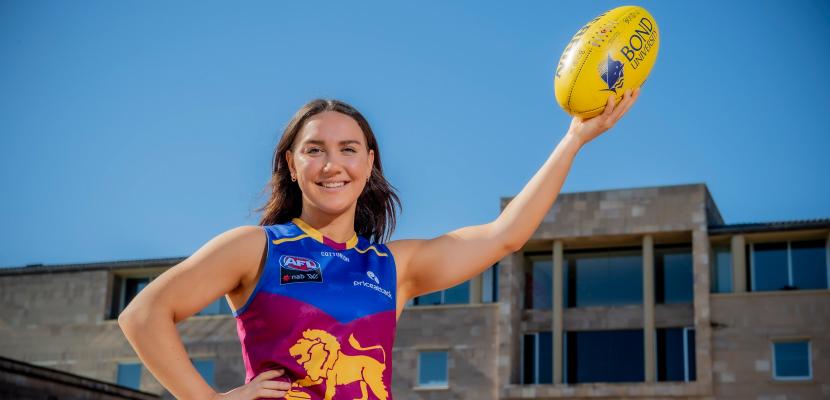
(339, 228)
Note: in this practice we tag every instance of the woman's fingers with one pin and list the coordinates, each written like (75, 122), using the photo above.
(629, 98)
(621, 108)
(610, 105)
(276, 385)
(269, 394)
(634, 95)
(270, 374)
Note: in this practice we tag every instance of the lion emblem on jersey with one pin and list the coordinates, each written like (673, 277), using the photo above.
(319, 353)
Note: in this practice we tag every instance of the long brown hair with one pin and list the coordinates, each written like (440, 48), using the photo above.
(376, 206)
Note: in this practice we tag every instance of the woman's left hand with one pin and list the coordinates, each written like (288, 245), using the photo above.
(585, 130)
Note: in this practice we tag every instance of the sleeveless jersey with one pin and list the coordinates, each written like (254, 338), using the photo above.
(324, 312)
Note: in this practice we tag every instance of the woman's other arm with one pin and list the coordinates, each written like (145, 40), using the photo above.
(149, 321)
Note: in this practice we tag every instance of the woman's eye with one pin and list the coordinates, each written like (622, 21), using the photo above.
(351, 149)
(313, 150)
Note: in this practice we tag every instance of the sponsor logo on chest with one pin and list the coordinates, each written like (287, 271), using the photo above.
(295, 269)
(373, 284)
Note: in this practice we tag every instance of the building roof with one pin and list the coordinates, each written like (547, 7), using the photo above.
(771, 226)
(107, 265)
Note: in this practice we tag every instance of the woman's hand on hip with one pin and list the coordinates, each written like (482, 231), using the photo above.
(261, 387)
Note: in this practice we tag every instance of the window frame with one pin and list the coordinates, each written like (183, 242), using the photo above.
(537, 356)
(118, 366)
(443, 295)
(715, 283)
(660, 292)
(446, 384)
(789, 264)
(809, 376)
(530, 260)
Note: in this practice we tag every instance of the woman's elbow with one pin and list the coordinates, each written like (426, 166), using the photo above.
(511, 247)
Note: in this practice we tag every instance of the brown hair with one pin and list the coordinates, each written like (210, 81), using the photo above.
(376, 206)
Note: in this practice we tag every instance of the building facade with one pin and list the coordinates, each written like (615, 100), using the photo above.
(635, 293)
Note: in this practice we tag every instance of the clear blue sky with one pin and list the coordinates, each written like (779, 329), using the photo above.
(141, 129)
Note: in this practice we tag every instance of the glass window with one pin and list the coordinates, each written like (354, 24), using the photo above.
(539, 284)
(721, 273)
(791, 360)
(769, 266)
(604, 356)
(205, 368)
(789, 265)
(809, 264)
(673, 275)
(432, 368)
(537, 358)
(459, 294)
(124, 290)
(490, 285)
(430, 299)
(129, 375)
(218, 307)
(675, 355)
(604, 278)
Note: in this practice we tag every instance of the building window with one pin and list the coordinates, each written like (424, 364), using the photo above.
(539, 284)
(604, 356)
(490, 285)
(205, 368)
(433, 369)
(218, 307)
(789, 265)
(606, 278)
(676, 355)
(791, 360)
(129, 375)
(125, 288)
(721, 272)
(459, 294)
(537, 358)
(673, 275)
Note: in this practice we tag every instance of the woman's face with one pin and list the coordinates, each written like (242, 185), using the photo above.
(331, 163)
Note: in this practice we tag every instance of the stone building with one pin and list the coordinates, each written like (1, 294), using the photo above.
(636, 293)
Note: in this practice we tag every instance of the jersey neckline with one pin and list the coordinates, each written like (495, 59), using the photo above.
(316, 235)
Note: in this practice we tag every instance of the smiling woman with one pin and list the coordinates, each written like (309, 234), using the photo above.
(315, 289)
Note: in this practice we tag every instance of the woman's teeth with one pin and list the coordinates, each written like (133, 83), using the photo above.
(332, 184)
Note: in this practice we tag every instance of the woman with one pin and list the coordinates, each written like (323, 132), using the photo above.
(314, 284)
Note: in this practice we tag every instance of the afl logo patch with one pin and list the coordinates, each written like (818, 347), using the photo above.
(295, 269)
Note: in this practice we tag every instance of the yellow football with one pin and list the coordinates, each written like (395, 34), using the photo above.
(613, 52)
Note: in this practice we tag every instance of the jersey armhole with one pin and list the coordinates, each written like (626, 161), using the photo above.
(394, 273)
(262, 276)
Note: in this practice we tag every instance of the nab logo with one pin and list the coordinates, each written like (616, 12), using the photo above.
(295, 269)
(611, 72)
(299, 263)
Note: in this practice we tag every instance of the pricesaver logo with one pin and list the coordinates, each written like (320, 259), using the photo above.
(295, 269)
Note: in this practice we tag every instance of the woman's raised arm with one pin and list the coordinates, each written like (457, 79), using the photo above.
(428, 265)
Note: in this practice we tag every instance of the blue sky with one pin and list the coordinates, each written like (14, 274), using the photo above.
(142, 129)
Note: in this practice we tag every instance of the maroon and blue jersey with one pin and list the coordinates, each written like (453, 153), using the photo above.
(324, 312)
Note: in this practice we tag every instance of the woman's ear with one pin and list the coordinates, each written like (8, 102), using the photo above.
(289, 158)
(371, 161)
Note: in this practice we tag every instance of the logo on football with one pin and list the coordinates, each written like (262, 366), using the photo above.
(620, 43)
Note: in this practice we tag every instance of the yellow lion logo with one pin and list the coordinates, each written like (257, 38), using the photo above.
(319, 354)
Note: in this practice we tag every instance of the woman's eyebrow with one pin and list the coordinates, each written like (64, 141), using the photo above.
(342, 142)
